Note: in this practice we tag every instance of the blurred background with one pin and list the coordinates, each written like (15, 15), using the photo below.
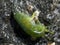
(12, 34)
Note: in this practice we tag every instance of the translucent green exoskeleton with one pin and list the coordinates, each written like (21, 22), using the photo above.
(29, 26)
(33, 28)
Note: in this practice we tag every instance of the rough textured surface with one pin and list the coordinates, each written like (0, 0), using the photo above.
(9, 30)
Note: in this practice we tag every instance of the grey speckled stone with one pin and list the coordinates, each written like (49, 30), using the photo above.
(7, 34)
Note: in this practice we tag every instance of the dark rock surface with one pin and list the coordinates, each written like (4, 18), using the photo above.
(12, 34)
